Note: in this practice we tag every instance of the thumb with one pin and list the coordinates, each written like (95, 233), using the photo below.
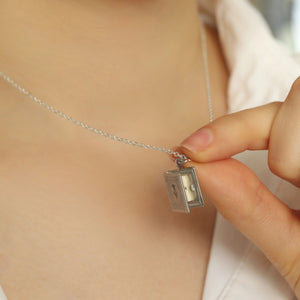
(243, 200)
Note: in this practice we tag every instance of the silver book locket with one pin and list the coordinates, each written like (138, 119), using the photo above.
(183, 189)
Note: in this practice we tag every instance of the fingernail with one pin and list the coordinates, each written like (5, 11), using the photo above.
(199, 140)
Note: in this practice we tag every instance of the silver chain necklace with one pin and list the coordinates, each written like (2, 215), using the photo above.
(182, 184)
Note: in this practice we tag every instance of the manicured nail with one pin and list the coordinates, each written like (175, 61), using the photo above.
(199, 140)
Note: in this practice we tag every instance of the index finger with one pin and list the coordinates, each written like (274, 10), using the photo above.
(231, 134)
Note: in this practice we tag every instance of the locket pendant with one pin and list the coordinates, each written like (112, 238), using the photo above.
(183, 188)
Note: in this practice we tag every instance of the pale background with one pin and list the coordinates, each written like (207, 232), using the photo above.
(283, 17)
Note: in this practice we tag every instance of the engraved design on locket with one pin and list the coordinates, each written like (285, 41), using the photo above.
(183, 188)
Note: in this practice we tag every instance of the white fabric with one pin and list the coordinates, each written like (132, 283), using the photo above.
(261, 71)
(2, 295)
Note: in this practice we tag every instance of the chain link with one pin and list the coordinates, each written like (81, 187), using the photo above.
(175, 154)
(206, 72)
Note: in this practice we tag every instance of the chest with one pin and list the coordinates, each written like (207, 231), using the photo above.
(75, 225)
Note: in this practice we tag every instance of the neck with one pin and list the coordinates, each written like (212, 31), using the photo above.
(88, 58)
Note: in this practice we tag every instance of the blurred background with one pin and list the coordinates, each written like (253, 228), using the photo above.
(283, 17)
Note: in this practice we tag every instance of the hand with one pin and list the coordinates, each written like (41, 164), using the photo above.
(236, 191)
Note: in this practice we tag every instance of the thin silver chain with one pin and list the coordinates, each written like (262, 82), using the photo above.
(206, 72)
(183, 157)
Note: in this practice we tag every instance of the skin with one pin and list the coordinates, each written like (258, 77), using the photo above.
(82, 217)
(250, 206)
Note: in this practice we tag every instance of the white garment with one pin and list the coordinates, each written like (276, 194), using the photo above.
(261, 71)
